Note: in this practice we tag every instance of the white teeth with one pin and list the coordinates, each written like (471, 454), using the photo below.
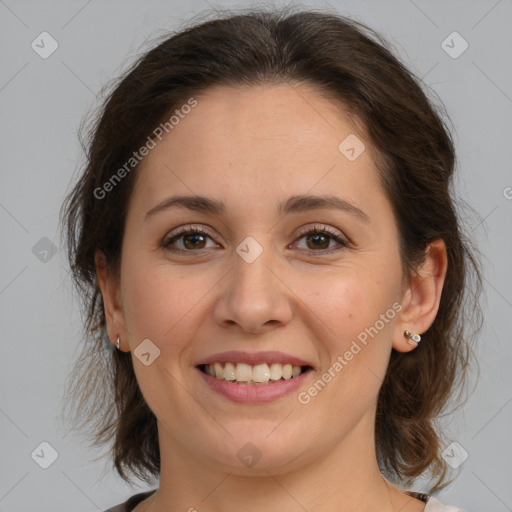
(243, 372)
(287, 371)
(260, 373)
(218, 370)
(276, 371)
(229, 372)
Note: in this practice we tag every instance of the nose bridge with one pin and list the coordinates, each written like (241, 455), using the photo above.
(252, 267)
(253, 295)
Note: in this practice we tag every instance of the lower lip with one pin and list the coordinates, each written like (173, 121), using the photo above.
(254, 394)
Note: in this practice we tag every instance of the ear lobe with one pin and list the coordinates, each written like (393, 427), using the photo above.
(422, 297)
(109, 287)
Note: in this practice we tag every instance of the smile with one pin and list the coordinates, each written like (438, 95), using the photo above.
(243, 389)
(259, 374)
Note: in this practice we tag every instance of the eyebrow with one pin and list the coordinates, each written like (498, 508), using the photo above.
(294, 204)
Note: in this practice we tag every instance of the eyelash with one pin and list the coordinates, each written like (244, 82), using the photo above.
(190, 230)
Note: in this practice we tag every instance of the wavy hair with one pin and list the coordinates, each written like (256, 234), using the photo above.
(414, 152)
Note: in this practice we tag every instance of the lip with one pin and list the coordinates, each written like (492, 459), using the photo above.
(254, 358)
(254, 394)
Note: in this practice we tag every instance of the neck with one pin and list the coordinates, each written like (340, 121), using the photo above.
(341, 479)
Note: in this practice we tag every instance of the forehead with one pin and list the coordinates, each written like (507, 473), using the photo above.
(253, 143)
(267, 112)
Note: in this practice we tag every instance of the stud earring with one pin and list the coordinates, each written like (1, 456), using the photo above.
(118, 340)
(413, 336)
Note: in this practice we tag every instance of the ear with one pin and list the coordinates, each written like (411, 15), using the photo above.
(420, 301)
(110, 290)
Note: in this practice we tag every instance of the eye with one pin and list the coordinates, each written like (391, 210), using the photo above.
(193, 238)
(319, 238)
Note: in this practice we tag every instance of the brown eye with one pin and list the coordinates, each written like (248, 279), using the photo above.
(193, 239)
(319, 239)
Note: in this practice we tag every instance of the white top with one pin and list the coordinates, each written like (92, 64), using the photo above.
(434, 505)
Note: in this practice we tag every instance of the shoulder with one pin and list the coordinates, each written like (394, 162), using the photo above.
(131, 502)
(434, 505)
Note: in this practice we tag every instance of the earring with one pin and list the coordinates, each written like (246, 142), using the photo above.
(413, 336)
(118, 340)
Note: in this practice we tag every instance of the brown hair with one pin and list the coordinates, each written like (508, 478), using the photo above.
(414, 151)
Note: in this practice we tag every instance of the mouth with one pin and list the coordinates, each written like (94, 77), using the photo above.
(257, 375)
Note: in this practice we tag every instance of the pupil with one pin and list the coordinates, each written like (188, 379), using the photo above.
(188, 237)
(319, 236)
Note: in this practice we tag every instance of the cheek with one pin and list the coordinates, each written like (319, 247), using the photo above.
(346, 304)
(159, 305)
(158, 300)
(354, 362)
(357, 313)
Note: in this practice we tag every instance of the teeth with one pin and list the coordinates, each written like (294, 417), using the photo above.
(260, 373)
(243, 372)
(229, 371)
(276, 371)
(287, 371)
(218, 370)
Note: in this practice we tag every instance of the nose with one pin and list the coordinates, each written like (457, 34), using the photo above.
(254, 296)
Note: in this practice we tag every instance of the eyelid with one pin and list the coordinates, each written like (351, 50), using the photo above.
(321, 228)
(304, 230)
(185, 228)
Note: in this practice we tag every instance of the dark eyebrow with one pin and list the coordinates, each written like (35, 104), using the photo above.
(294, 204)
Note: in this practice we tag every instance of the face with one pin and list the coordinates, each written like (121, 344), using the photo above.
(312, 280)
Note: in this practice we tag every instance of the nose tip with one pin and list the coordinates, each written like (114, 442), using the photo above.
(253, 297)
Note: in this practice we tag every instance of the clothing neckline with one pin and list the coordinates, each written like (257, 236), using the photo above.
(133, 501)
(422, 496)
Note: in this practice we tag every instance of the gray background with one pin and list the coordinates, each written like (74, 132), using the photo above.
(42, 102)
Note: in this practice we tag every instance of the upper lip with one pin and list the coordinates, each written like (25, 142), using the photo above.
(254, 358)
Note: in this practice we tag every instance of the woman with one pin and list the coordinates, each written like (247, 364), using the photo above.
(272, 270)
